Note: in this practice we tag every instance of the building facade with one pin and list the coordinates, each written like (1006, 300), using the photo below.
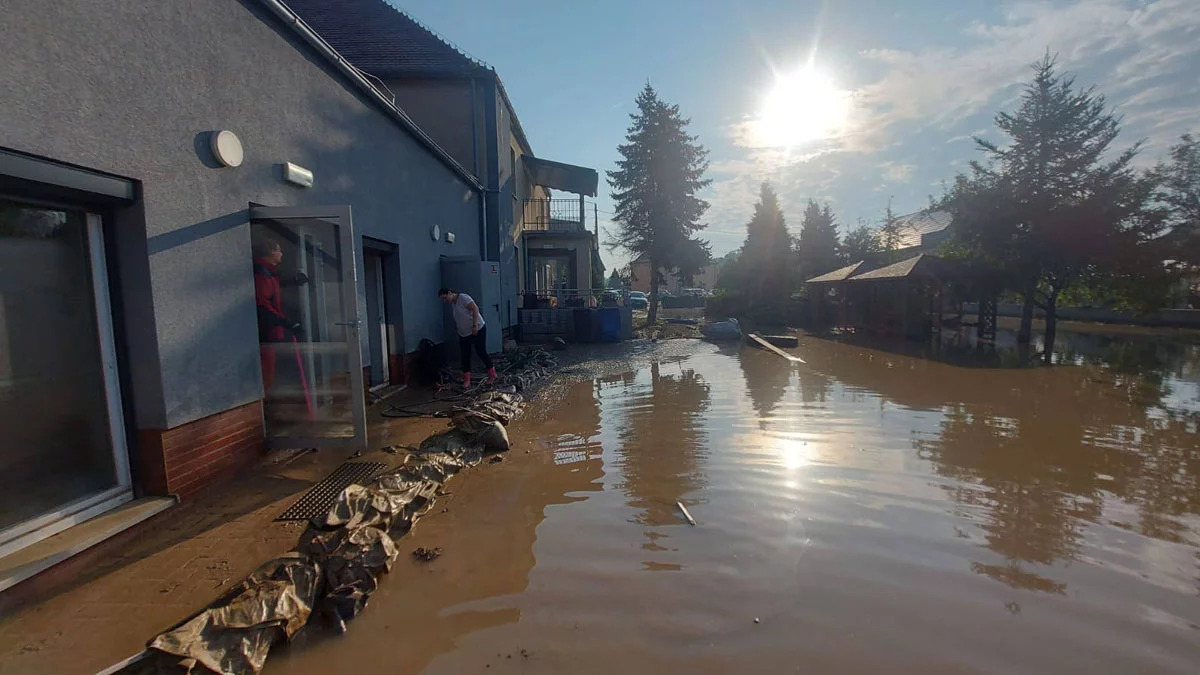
(540, 239)
(138, 170)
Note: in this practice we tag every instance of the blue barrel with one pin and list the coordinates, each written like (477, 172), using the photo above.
(610, 324)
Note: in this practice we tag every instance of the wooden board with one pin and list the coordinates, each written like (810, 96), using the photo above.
(782, 341)
(759, 342)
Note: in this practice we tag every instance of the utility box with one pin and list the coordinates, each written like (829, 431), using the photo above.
(481, 281)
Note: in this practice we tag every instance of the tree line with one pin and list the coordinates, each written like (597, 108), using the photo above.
(1055, 212)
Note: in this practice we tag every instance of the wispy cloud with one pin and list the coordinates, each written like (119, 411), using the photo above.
(897, 173)
(1143, 54)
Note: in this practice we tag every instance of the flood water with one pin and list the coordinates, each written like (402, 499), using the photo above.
(867, 512)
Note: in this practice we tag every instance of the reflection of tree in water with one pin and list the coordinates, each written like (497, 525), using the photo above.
(1038, 460)
(1032, 508)
(1165, 478)
(766, 381)
(661, 441)
(814, 387)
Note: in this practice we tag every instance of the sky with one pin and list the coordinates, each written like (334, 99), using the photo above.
(889, 93)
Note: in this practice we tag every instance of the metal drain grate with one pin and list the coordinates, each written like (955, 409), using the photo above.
(316, 501)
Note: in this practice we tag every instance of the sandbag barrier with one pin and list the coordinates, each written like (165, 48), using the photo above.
(339, 559)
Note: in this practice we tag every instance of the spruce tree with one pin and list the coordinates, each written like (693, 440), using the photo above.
(657, 212)
(817, 248)
(767, 253)
(1055, 205)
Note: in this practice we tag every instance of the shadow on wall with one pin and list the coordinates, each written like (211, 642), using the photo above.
(397, 191)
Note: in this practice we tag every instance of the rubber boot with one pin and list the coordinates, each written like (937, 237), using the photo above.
(466, 380)
(491, 378)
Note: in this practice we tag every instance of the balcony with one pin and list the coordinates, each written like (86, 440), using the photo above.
(567, 216)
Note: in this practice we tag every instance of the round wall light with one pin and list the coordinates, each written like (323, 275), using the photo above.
(227, 148)
(435, 233)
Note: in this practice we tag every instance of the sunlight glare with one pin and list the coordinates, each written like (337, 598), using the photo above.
(802, 107)
(794, 454)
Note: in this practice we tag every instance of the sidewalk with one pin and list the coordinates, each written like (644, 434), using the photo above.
(153, 576)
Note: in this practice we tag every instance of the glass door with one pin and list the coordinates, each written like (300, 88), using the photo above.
(63, 455)
(306, 286)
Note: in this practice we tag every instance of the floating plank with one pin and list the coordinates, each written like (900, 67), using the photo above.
(690, 519)
(760, 342)
(785, 341)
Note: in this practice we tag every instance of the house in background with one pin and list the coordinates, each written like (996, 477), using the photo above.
(559, 251)
(639, 276)
(539, 237)
(923, 231)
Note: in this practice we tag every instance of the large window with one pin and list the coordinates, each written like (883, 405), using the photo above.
(61, 443)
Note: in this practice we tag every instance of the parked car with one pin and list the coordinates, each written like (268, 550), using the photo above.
(638, 300)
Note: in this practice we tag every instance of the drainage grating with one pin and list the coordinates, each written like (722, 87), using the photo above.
(316, 502)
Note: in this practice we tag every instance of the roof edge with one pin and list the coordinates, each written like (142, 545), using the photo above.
(297, 25)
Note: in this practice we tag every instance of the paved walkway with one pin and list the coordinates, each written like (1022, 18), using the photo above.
(174, 565)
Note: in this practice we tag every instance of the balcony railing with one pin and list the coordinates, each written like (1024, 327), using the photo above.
(556, 215)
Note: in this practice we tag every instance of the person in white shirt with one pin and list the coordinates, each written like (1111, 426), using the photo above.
(472, 332)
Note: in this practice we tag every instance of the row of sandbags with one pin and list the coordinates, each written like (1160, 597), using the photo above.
(339, 559)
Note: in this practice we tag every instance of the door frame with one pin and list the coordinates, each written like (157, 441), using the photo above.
(72, 513)
(373, 278)
(340, 217)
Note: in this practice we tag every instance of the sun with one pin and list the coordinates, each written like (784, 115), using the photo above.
(802, 107)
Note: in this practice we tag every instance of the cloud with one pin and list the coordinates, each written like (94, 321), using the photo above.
(1142, 43)
(923, 103)
(897, 173)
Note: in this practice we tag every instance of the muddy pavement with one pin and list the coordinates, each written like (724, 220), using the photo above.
(869, 511)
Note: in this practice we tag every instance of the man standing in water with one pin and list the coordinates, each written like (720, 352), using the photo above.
(472, 332)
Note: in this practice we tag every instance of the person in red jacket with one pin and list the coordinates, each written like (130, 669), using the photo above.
(273, 325)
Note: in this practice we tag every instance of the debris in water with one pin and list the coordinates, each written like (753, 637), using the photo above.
(426, 554)
(757, 341)
(756, 620)
(690, 519)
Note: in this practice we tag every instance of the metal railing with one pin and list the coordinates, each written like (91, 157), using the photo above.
(562, 298)
(554, 215)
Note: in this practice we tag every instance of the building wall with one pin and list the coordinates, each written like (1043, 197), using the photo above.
(469, 118)
(82, 86)
(507, 233)
(450, 113)
(639, 276)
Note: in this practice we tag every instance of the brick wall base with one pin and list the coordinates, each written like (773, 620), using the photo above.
(192, 457)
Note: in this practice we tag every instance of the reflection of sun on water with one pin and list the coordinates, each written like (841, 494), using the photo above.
(804, 106)
(793, 454)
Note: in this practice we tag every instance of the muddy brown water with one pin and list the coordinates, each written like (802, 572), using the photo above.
(868, 512)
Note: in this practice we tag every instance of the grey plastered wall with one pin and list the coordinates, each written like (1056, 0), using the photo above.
(449, 112)
(470, 119)
(132, 88)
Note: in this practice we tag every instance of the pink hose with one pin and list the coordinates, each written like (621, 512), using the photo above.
(303, 380)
